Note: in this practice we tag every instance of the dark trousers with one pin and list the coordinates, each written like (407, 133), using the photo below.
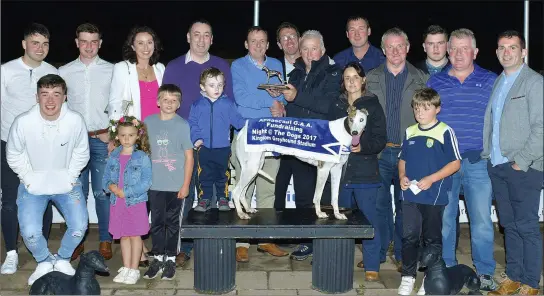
(304, 180)
(186, 245)
(165, 212)
(517, 194)
(419, 220)
(9, 221)
(213, 169)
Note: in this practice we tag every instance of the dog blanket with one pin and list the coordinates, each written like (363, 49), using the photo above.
(308, 138)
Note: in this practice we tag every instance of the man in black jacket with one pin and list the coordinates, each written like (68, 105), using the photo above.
(314, 84)
(435, 42)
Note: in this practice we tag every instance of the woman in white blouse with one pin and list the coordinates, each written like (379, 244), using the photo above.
(136, 81)
(137, 78)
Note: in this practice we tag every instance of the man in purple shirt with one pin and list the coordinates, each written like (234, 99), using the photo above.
(184, 72)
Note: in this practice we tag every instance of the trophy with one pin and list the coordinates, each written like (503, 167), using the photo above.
(272, 73)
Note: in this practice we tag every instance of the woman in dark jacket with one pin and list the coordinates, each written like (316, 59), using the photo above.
(361, 179)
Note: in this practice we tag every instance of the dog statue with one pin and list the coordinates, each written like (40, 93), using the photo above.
(346, 130)
(272, 73)
(82, 283)
(442, 280)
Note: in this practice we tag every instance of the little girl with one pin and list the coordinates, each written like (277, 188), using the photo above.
(128, 178)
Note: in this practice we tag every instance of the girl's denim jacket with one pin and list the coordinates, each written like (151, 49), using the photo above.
(136, 180)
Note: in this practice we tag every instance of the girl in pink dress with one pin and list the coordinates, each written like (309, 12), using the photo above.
(128, 178)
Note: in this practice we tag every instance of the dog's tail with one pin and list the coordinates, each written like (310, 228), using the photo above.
(267, 176)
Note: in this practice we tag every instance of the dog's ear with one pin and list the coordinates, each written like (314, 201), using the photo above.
(364, 111)
(352, 111)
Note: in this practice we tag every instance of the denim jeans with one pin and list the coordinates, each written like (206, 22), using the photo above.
(96, 165)
(518, 198)
(390, 229)
(364, 199)
(477, 191)
(70, 205)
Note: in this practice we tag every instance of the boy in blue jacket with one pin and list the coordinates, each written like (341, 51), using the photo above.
(210, 119)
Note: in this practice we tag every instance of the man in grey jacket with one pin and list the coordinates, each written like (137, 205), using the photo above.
(394, 83)
(513, 143)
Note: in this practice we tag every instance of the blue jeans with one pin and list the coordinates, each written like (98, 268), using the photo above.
(390, 229)
(477, 191)
(364, 199)
(71, 207)
(96, 165)
(518, 197)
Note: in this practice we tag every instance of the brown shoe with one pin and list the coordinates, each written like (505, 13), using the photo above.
(372, 276)
(78, 251)
(360, 265)
(241, 254)
(527, 290)
(105, 250)
(507, 287)
(272, 249)
(182, 259)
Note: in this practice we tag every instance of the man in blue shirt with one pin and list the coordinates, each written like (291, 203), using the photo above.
(513, 143)
(357, 31)
(465, 89)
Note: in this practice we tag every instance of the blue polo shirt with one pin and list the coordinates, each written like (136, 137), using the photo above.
(464, 105)
(372, 59)
(426, 151)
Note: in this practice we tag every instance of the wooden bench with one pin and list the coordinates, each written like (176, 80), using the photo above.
(215, 235)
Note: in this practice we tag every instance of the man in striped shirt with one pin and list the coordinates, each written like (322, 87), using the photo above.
(465, 89)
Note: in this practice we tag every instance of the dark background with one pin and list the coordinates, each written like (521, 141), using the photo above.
(231, 19)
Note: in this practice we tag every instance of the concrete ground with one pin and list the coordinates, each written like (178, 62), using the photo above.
(262, 275)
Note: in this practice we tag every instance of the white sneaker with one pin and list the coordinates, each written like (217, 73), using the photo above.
(120, 278)
(41, 270)
(11, 262)
(406, 285)
(65, 267)
(132, 277)
(421, 290)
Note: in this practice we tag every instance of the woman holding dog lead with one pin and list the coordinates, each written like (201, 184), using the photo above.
(361, 180)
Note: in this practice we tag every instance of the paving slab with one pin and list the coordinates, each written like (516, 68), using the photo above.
(184, 279)
(290, 280)
(314, 292)
(144, 292)
(251, 280)
(267, 292)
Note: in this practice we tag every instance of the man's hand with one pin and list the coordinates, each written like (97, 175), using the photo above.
(277, 109)
(515, 166)
(105, 137)
(198, 143)
(273, 92)
(183, 192)
(404, 183)
(289, 94)
(355, 148)
(120, 193)
(425, 183)
(113, 187)
(111, 146)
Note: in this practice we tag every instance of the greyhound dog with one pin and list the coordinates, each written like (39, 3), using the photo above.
(272, 73)
(346, 130)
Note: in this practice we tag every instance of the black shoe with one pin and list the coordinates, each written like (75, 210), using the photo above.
(302, 252)
(155, 268)
(169, 270)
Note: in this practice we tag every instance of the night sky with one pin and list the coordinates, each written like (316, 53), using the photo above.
(230, 21)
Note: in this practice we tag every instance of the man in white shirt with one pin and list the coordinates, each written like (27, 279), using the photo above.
(88, 79)
(47, 148)
(17, 95)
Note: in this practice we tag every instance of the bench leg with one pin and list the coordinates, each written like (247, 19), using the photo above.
(215, 265)
(332, 267)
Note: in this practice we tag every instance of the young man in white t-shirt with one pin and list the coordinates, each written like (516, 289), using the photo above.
(17, 95)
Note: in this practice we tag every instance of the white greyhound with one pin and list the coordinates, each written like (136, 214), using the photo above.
(346, 130)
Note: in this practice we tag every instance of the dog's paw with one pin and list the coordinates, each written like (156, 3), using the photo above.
(251, 210)
(322, 215)
(340, 216)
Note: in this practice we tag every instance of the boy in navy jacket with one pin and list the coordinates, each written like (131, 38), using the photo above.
(210, 119)
(429, 157)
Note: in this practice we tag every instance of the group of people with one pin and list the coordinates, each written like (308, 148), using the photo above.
(153, 137)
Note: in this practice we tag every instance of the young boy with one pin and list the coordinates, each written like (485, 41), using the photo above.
(428, 158)
(172, 167)
(210, 119)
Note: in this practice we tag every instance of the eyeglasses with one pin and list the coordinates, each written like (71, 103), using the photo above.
(288, 37)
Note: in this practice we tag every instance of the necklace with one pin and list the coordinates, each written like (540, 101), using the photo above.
(144, 73)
